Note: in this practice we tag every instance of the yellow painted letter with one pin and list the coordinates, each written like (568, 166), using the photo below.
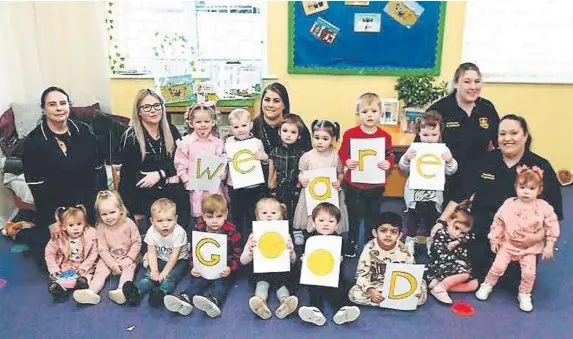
(210, 176)
(411, 280)
(214, 260)
(364, 153)
(243, 155)
(427, 159)
(316, 181)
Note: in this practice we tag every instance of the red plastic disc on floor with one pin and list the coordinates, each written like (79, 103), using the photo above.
(463, 309)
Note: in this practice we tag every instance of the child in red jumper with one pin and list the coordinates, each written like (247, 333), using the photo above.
(209, 295)
(363, 200)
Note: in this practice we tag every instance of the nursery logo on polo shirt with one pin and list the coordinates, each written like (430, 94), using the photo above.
(484, 123)
(488, 176)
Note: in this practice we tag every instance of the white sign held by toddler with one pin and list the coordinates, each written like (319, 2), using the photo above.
(209, 253)
(402, 283)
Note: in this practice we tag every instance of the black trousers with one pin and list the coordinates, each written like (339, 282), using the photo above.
(218, 288)
(425, 214)
(363, 205)
(337, 297)
(242, 207)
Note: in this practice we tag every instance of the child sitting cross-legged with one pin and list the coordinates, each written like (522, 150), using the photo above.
(209, 295)
(167, 254)
(383, 249)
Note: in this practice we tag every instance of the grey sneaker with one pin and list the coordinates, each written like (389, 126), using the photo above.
(298, 238)
(180, 304)
(346, 314)
(207, 305)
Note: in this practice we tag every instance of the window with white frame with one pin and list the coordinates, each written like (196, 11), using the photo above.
(176, 37)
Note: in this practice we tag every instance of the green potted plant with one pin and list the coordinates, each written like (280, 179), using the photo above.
(418, 93)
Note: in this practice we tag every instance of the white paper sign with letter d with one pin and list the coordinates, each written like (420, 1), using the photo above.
(401, 284)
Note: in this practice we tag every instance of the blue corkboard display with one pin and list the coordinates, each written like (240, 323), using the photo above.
(375, 38)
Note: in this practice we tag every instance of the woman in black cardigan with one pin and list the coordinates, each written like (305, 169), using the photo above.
(60, 162)
(147, 169)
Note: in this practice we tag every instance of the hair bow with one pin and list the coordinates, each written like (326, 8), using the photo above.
(534, 169)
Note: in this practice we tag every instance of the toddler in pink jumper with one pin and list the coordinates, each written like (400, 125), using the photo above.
(118, 243)
(522, 214)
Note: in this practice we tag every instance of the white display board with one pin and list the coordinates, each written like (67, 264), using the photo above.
(514, 41)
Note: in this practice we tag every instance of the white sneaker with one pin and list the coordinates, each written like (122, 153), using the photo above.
(117, 296)
(206, 305)
(179, 304)
(260, 308)
(411, 245)
(298, 238)
(483, 292)
(525, 302)
(346, 314)
(86, 296)
(428, 244)
(311, 315)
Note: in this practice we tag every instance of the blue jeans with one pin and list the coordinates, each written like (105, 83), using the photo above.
(219, 288)
(168, 285)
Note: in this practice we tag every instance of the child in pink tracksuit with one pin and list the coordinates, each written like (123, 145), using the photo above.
(526, 214)
(201, 119)
(119, 244)
(74, 253)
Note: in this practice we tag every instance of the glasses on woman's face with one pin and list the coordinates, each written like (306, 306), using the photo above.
(147, 108)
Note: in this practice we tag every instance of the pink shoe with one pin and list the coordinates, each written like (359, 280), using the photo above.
(440, 293)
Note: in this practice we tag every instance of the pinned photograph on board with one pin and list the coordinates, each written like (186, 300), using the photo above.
(357, 3)
(367, 22)
(390, 109)
(324, 30)
(406, 13)
(313, 7)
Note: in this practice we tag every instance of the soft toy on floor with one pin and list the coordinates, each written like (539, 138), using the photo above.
(12, 228)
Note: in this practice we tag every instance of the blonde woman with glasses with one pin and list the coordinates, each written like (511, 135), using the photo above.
(147, 169)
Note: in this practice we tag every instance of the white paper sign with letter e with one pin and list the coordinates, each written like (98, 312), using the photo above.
(368, 153)
(209, 253)
(320, 188)
(401, 284)
(271, 254)
(321, 261)
(427, 169)
(244, 168)
(207, 170)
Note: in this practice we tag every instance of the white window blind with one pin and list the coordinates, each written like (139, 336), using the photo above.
(518, 41)
(209, 32)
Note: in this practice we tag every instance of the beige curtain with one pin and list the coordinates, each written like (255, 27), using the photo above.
(53, 43)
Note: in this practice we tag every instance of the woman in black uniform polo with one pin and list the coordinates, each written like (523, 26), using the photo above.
(492, 182)
(470, 124)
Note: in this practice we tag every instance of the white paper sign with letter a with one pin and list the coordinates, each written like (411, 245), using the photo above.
(271, 254)
(207, 170)
(401, 284)
(320, 188)
(209, 253)
(427, 169)
(244, 168)
(368, 153)
(321, 261)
